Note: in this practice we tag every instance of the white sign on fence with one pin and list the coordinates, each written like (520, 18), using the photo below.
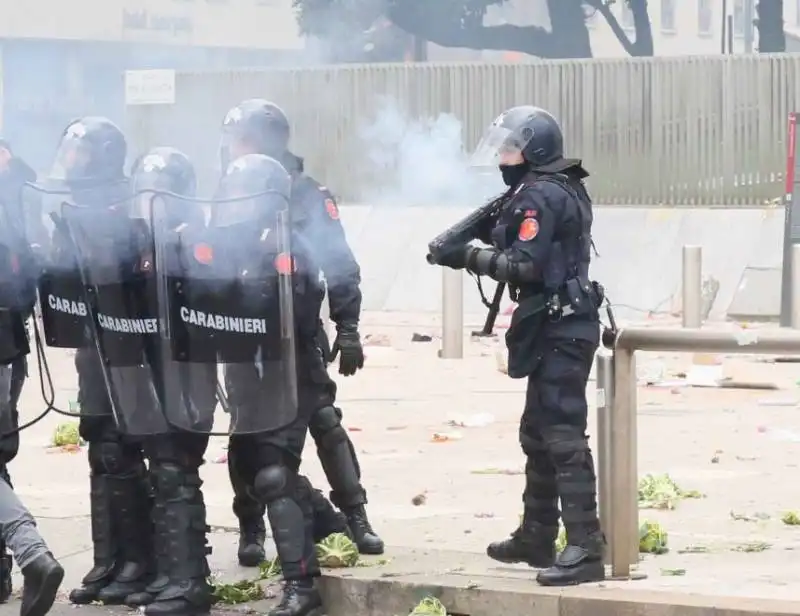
(150, 87)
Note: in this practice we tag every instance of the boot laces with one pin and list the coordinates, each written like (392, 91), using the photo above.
(360, 523)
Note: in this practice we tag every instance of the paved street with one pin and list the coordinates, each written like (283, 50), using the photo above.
(437, 442)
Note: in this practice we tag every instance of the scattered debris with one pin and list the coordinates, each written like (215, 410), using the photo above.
(479, 420)
(446, 437)
(756, 546)
(673, 572)
(67, 434)
(337, 551)
(653, 538)
(755, 517)
(791, 518)
(415, 337)
(243, 591)
(561, 539)
(661, 492)
(419, 499)
(429, 606)
(694, 549)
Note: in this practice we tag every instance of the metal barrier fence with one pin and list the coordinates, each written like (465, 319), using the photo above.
(617, 445)
(681, 130)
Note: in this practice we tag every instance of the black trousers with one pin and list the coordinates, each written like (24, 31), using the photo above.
(552, 434)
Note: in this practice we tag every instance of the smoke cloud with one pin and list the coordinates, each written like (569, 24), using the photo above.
(422, 161)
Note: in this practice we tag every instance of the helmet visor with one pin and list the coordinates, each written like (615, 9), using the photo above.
(72, 160)
(497, 143)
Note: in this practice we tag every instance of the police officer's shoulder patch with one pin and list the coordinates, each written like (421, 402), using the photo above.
(331, 209)
(528, 229)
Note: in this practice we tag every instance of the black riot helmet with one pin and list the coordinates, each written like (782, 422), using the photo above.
(254, 126)
(166, 170)
(253, 190)
(531, 131)
(91, 153)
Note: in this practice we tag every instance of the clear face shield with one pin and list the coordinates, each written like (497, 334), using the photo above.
(499, 146)
(231, 147)
(72, 160)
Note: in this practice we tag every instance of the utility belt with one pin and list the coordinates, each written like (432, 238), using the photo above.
(577, 297)
(535, 310)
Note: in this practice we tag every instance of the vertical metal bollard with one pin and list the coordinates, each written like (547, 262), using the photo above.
(452, 314)
(623, 527)
(796, 286)
(604, 377)
(692, 283)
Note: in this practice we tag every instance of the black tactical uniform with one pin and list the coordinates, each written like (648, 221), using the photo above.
(19, 273)
(90, 162)
(541, 247)
(272, 457)
(259, 126)
(21, 218)
(179, 513)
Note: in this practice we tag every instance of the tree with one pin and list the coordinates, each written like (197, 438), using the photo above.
(769, 22)
(460, 23)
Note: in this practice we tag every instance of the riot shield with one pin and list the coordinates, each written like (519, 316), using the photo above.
(230, 294)
(185, 386)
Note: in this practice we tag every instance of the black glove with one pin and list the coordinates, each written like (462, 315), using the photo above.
(455, 258)
(348, 343)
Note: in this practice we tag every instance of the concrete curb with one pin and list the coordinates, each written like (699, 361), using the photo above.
(354, 594)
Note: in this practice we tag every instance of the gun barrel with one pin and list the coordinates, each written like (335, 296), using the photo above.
(430, 259)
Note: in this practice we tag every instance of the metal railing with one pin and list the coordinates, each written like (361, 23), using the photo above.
(617, 418)
(689, 130)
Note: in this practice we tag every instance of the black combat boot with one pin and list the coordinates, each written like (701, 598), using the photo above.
(531, 543)
(366, 539)
(42, 578)
(131, 505)
(161, 552)
(534, 541)
(579, 563)
(297, 555)
(582, 558)
(183, 531)
(104, 543)
(299, 598)
(325, 519)
(5, 573)
(340, 463)
(252, 534)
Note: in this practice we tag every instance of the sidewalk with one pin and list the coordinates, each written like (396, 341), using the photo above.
(437, 441)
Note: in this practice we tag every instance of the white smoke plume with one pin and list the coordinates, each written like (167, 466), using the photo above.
(422, 161)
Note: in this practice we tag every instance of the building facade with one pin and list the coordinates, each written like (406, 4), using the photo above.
(67, 58)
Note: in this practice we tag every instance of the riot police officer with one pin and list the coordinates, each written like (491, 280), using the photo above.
(175, 453)
(268, 380)
(18, 271)
(540, 245)
(90, 166)
(259, 126)
(18, 221)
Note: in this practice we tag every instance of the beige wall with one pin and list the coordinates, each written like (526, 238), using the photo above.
(267, 24)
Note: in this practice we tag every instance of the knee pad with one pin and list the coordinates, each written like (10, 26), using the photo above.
(326, 427)
(531, 445)
(567, 445)
(272, 483)
(110, 458)
(168, 478)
